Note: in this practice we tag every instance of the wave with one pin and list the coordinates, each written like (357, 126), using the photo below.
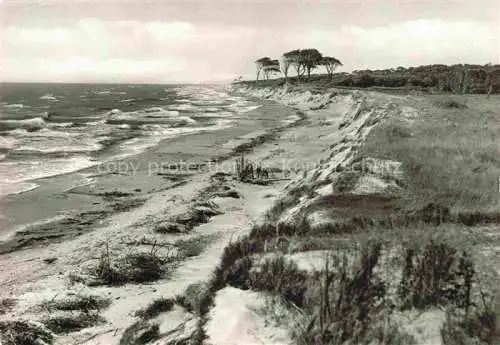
(153, 115)
(15, 105)
(32, 124)
(48, 97)
(26, 171)
(185, 107)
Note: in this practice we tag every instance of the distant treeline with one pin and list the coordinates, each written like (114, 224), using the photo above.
(462, 78)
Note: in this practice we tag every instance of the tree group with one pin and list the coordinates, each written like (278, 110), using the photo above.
(303, 61)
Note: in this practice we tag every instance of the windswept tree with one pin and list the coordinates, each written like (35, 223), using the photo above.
(310, 59)
(303, 61)
(330, 64)
(260, 64)
(270, 67)
(292, 58)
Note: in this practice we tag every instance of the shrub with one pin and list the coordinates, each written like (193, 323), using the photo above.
(348, 303)
(155, 308)
(72, 323)
(6, 304)
(138, 267)
(464, 329)
(24, 333)
(193, 246)
(432, 275)
(280, 277)
(140, 333)
(363, 80)
(194, 299)
(84, 303)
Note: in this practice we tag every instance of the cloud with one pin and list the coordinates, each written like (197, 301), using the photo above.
(93, 49)
(415, 42)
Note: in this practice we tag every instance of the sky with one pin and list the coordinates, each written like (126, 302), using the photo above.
(180, 41)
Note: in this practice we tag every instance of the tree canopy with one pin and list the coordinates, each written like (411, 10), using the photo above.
(301, 60)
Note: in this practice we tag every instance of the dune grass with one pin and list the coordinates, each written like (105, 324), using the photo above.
(452, 155)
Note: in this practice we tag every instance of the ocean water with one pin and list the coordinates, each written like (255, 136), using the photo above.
(52, 129)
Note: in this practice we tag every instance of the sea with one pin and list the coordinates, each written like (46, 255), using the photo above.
(52, 129)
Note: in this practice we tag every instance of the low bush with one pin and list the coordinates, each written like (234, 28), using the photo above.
(155, 308)
(280, 277)
(139, 267)
(140, 333)
(72, 323)
(24, 333)
(435, 275)
(345, 305)
(84, 303)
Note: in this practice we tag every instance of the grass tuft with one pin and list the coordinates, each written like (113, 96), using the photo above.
(24, 333)
(155, 308)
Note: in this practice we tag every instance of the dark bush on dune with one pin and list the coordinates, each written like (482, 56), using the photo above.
(23, 333)
(363, 80)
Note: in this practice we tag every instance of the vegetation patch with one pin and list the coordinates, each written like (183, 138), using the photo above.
(24, 333)
(155, 308)
(436, 275)
(195, 299)
(84, 303)
(6, 305)
(477, 327)
(140, 333)
(193, 246)
(138, 267)
(73, 322)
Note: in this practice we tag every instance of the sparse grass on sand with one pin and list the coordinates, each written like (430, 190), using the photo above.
(24, 333)
(84, 303)
(155, 308)
(135, 267)
(72, 322)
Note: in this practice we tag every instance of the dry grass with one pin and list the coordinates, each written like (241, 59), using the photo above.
(136, 267)
(451, 158)
(193, 246)
(6, 305)
(72, 322)
(480, 327)
(24, 333)
(435, 274)
(84, 303)
(155, 308)
(140, 333)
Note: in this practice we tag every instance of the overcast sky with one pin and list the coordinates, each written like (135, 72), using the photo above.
(201, 40)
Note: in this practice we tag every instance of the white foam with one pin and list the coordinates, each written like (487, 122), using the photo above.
(184, 107)
(15, 105)
(49, 97)
(29, 124)
(24, 171)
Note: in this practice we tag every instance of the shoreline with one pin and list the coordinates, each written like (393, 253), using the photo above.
(148, 172)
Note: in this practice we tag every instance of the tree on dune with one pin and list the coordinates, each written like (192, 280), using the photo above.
(293, 58)
(310, 59)
(270, 67)
(330, 64)
(261, 63)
